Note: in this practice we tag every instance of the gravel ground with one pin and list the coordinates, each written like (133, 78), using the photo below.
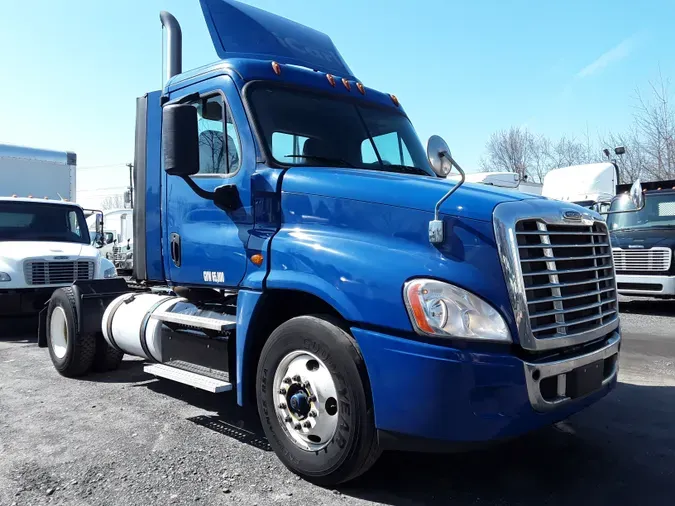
(125, 438)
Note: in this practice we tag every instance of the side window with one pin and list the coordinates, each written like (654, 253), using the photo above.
(287, 147)
(390, 147)
(74, 223)
(219, 150)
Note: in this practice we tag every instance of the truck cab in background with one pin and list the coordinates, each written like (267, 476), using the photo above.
(510, 180)
(44, 245)
(295, 243)
(643, 242)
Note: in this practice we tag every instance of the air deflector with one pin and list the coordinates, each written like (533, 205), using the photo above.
(242, 31)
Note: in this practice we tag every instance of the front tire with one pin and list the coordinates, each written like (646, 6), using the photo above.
(72, 352)
(314, 401)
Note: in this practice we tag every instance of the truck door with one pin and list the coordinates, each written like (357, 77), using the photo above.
(203, 244)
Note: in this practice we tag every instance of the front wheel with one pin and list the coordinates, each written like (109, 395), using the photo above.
(314, 401)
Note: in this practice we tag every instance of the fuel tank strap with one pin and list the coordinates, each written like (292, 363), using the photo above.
(115, 305)
(144, 326)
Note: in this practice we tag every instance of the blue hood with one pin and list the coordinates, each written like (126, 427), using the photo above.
(473, 201)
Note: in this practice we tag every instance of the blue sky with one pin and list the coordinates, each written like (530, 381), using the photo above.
(71, 70)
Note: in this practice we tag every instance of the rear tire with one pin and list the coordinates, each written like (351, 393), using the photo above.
(318, 353)
(72, 353)
(106, 357)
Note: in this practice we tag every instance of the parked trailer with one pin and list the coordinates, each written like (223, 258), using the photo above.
(310, 256)
(39, 173)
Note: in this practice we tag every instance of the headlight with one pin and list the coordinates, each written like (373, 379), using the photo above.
(4, 277)
(110, 272)
(441, 309)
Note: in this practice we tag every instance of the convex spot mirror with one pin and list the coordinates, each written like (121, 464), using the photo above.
(439, 156)
(180, 140)
(636, 195)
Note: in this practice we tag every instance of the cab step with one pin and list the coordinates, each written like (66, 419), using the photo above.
(223, 324)
(190, 378)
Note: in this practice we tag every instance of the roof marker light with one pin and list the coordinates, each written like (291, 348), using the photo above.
(361, 88)
(395, 100)
(277, 68)
(331, 79)
(347, 85)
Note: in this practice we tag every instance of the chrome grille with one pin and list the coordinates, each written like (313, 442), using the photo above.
(559, 272)
(41, 272)
(568, 277)
(642, 260)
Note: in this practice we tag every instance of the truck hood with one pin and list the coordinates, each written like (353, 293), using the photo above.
(645, 238)
(20, 250)
(473, 201)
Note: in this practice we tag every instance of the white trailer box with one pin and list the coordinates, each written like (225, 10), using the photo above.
(585, 185)
(37, 173)
(502, 180)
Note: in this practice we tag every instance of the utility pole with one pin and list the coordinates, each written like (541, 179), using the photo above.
(131, 185)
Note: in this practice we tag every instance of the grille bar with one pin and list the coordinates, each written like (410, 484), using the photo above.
(567, 311)
(576, 283)
(575, 322)
(559, 232)
(540, 245)
(564, 259)
(576, 296)
(567, 271)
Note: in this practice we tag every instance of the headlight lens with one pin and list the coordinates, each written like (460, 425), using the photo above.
(4, 277)
(442, 309)
(110, 272)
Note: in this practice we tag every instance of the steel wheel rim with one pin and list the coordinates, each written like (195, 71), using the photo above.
(58, 331)
(311, 426)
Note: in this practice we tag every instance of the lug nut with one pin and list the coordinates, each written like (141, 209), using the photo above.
(307, 425)
(282, 405)
(288, 419)
(288, 381)
(313, 414)
(312, 398)
(306, 384)
(297, 378)
(282, 391)
(297, 426)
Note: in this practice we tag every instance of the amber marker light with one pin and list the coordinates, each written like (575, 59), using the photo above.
(395, 100)
(361, 88)
(347, 85)
(418, 311)
(277, 68)
(257, 259)
(331, 79)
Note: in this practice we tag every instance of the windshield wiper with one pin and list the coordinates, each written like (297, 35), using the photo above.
(323, 159)
(405, 168)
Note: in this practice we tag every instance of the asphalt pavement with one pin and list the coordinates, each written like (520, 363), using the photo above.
(125, 438)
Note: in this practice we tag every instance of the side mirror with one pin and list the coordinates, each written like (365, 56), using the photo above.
(180, 140)
(636, 195)
(439, 156)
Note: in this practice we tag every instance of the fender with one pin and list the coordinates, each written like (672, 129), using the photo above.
(92, 296)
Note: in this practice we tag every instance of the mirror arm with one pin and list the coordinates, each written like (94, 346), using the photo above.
(445, 197)
(225, 197)
(199, 191)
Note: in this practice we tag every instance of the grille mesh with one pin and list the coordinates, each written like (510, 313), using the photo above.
(640, 260)
(40, 272)
(568, 277)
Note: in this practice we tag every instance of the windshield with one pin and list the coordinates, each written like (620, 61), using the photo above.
(659, 211)
(304, 128)
(27, 221)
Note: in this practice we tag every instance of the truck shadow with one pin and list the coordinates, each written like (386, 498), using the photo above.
(19, 328)
(619, 451)
(654, 307)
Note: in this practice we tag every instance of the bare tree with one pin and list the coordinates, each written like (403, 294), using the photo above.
(634, 163)
(509, 150)
(112, 202)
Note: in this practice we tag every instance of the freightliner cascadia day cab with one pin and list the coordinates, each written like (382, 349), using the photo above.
(294, 243)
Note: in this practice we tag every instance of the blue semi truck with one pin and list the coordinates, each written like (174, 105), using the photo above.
(295, 243)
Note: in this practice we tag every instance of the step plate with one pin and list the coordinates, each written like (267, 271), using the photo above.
(212, 385)
(199, 370)
(199, 322)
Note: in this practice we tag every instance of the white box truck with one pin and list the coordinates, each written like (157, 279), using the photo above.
(44, 238)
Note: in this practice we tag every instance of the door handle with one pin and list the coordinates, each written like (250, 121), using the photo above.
(175, 249)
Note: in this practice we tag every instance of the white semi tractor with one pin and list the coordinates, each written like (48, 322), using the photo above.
(44, 238)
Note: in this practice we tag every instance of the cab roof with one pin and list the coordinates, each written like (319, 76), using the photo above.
(38, 200)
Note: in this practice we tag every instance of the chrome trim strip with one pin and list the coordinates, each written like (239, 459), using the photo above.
(550, 212)
(560, 367)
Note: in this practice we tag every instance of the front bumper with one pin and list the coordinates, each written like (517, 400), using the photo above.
(432, 392)
(647, 285)
(24, 301)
